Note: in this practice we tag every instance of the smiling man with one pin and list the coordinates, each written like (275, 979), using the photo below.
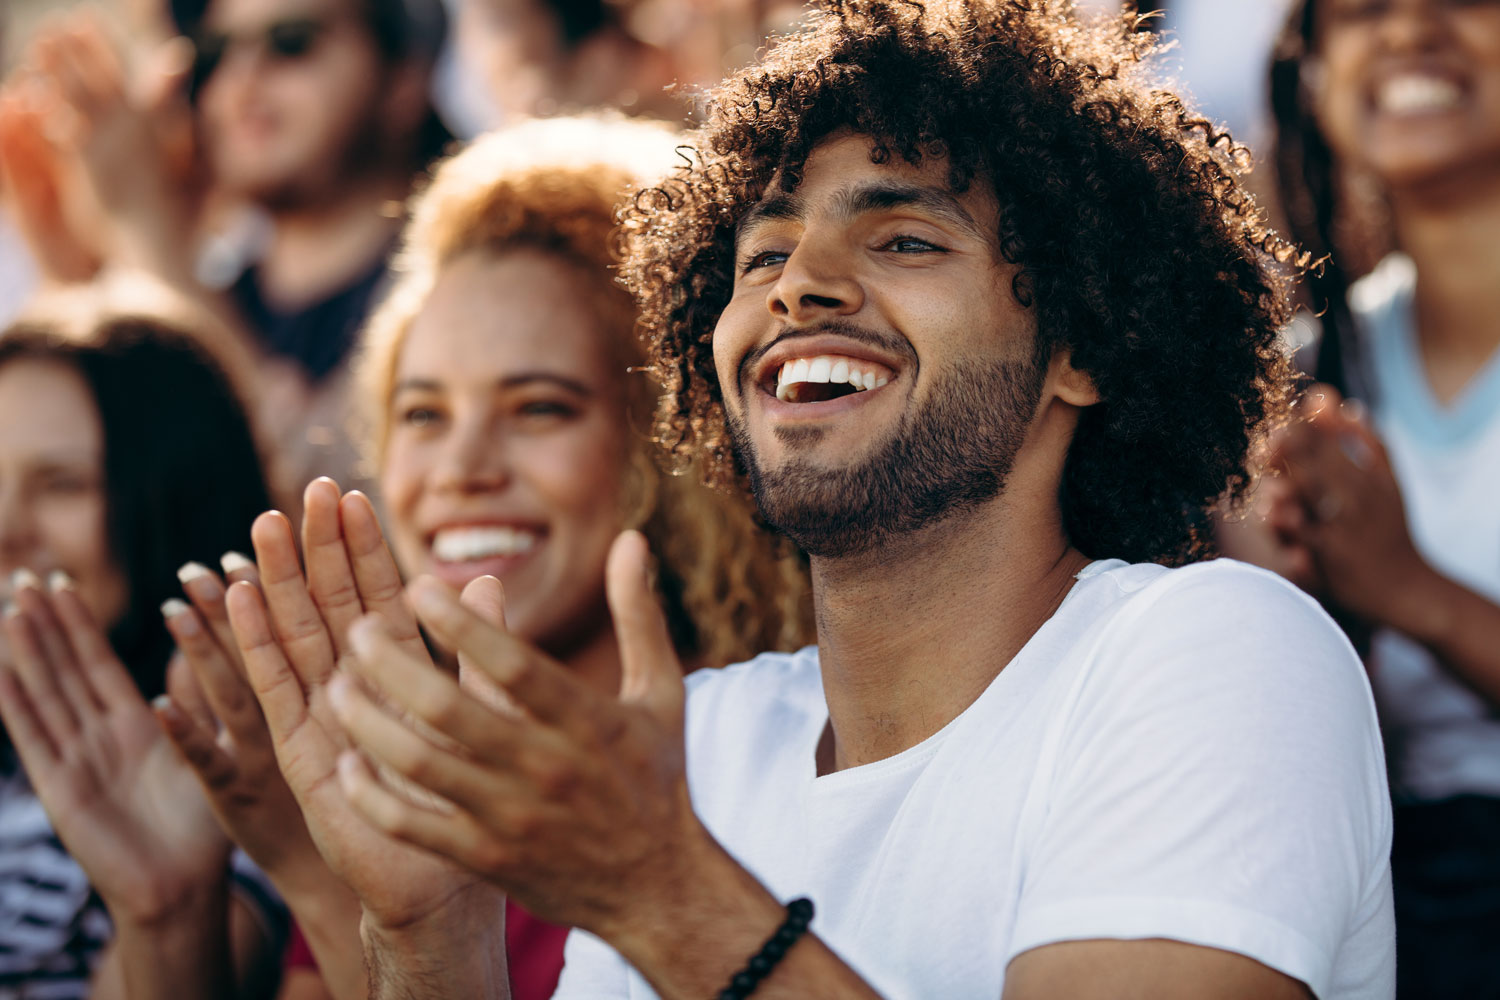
(986, 325)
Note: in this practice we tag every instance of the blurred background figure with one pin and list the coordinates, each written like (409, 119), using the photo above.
(123, 453)
(1387, 117)
(269, 157)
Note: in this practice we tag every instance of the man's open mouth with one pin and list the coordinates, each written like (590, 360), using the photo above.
(827, 376)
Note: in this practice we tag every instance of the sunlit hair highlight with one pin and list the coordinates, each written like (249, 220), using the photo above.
(553, 185)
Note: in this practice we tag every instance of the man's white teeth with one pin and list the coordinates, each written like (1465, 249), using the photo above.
(453, 545)
(1417, 93)
(828, 369)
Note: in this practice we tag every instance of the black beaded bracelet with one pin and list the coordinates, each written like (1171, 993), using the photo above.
(799, 913)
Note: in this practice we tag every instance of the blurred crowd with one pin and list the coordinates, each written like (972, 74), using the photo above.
(252, 245)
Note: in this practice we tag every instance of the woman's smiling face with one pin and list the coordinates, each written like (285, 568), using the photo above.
(508, 446)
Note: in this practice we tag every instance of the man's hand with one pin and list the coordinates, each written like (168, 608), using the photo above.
(125, 806)
(576, 803)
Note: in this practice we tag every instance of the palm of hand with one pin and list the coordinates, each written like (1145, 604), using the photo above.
(396, 882)
(122, 797)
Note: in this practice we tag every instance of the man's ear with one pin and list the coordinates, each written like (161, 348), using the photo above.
(1069, 384)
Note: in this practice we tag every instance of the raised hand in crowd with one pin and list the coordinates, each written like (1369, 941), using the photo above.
(1343, 507)
(70, 117)
(229, 747)
(124, 804)
(292, 632)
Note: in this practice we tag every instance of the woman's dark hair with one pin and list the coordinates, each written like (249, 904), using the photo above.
(1139, 248)
(182, 476)
(1311, 185)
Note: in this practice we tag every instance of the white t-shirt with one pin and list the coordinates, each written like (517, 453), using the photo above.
(1444, 738)
(1187, 754)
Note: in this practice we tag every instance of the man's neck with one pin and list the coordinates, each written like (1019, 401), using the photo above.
(910, 635)
(1451, 239)
(319, 248)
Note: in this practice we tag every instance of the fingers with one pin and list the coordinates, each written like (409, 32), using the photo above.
(206, 592)
(184, 692)
(486, 598)
(107, 680)
(452, 834)
(227, 695)
(54, 724)
(542, 687)
(330, 579)
(651, 674)
(428, 695)
(395, 745)
(215, 768)
(380, 586)
(294, 617)
(272, 678)
(28, 732)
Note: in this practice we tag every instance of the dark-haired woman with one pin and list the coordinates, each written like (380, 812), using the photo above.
(123, 454)
(1388, 116)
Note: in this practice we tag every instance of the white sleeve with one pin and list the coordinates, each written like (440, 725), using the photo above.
(592, 970)
(1219, 780)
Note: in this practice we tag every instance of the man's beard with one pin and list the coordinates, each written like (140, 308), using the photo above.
(950, 456)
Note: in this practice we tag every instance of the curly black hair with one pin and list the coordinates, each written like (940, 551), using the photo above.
(1139, 248)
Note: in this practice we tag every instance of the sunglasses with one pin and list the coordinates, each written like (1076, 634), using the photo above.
(283, 41)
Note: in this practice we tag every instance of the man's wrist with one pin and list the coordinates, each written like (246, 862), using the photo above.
(454, 950)
(1423, 607)
(164, 903)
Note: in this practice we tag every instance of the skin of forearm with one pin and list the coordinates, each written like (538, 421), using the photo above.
(1458, 626)
(328, 914)
(699, 937)
(181, 952)
(456, 954)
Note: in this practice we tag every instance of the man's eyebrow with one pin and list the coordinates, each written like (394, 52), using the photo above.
(856, 201)
(853, 202)
(778, 206)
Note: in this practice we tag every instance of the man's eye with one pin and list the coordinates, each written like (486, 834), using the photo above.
(768, 258)
(911, 244)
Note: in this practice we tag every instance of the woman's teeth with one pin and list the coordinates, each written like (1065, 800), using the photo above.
(454, 545)
(829, 371)
(1414, 93)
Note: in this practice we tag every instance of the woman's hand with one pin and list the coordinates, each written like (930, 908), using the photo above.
(574, 802)
(291, 632)
(217, 726)
(1351, 516)
(126, 807)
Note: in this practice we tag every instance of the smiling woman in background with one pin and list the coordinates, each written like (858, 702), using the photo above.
(1389, 510)
(123, 453)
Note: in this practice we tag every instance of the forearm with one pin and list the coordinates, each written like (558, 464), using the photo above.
(181, 952)
(456, 954)
(328, 914)
(1458, 626)
(695, 944)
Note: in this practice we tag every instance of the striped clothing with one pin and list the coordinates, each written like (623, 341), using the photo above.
(53, 926)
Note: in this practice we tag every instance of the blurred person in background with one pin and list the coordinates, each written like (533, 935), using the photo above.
(509, 426)
(315, 113)
(1388, 137)
(123, 452)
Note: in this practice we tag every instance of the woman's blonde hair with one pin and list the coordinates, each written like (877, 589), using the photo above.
(731, 590)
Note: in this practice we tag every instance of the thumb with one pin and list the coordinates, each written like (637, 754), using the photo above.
(486, 598)
(651, 673)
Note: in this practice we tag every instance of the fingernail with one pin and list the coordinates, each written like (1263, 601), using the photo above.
(161, 703)
(233, 562)
(338, 692)
(362, 635)
(172, 607)
(58, 580)
(191, 571)
(23, 578)
(426, 596)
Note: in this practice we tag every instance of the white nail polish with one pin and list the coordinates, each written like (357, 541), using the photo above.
(172, 607)
(59, 580)
(233, 562)
(191, 571)
(161, 702)
(23, 578)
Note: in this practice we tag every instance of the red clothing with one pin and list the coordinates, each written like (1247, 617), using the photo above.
(533, 947)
